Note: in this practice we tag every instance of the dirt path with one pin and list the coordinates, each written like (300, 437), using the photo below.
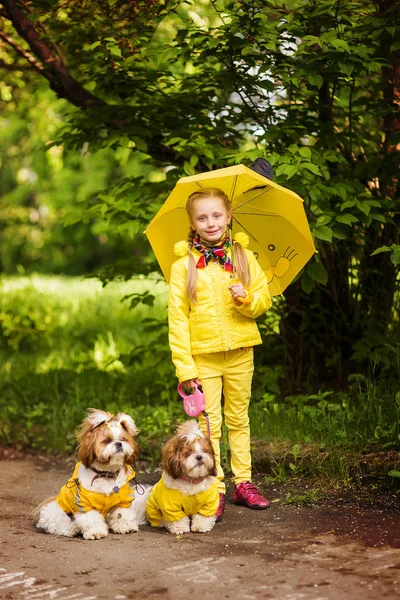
(346, 548)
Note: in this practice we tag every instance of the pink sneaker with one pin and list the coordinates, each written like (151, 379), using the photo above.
(246, 493)
(221, 507)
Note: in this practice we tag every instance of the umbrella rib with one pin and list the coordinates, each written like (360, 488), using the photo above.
(233, 188)
(258, 214)
(252, 198)
(243, 227)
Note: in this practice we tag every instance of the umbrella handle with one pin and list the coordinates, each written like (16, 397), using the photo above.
(247, 300)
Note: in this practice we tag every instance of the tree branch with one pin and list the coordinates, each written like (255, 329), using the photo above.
(27, 55)
(48, 64)
(43, 28)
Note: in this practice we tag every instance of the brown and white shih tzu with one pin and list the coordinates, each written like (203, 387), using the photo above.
(101, 495)
(186, 498)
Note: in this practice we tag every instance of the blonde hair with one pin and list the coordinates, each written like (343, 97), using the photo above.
(241, 264)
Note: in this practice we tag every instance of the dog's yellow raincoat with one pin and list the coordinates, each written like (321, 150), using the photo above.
(173, 505)
(74, 498)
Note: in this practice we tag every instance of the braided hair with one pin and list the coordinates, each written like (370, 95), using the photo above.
(242, 271)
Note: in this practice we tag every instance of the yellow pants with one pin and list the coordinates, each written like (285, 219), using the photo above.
(230, 372)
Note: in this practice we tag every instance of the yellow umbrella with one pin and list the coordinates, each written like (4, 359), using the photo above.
(272, 216)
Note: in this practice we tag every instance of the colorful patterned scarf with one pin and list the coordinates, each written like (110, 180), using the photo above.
(210, 251)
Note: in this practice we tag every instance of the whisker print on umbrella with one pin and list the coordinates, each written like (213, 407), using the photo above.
(288, 255)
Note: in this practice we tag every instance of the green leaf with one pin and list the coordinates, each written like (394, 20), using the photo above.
(340, 45)
(323, 233)
(338, 233)
(347, 68)
(249, 50)
(114, 50)
(311, 167)
(394, 473)
(348, 204)
(365, 207)
(379, 217)
(305, 151)
(288, 170)
(317, 272)
(172, 141)
(347, 219)
(323, 220)
(194, 159)
(307, 284)
(395, 256)
(381, 249)
(316, 80)
(71, 218)
(187, 167)
(92, 46)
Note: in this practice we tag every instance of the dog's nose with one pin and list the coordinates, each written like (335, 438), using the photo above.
(118, 445)
(199, 458)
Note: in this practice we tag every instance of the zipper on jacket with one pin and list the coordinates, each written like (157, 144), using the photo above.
(221, 295)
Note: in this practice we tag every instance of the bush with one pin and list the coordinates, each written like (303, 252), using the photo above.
(25, 319)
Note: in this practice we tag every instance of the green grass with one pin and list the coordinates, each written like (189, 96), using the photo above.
(67, 344)
(308, 498)
(70, 345)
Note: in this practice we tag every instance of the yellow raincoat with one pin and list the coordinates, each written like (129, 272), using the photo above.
(216, 323)
(173, 505)
(74, 498)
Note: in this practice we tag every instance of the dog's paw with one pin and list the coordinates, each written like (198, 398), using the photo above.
(179, 527)
(90, 534)
(122, 520)
(92, 525)
(201, 524)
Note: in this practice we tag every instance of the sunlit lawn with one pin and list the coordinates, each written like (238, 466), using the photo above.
(76, 345)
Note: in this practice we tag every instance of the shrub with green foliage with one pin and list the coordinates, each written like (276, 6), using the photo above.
(25, 321)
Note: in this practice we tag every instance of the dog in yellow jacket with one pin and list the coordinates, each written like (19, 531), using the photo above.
(100, 495)
(186, 498)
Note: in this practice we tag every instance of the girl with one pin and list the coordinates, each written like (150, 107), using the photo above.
(212, 329)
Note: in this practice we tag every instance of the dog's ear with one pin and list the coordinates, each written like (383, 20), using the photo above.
(86, 453)
(97, 417)
(133, 457)
(170, 458)
(127, 423)
(210, 450)
(94, 419)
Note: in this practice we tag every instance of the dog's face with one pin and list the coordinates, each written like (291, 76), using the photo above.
(188, 453)
(107, 440)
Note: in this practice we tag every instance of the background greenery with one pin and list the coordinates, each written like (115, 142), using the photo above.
(104, 106)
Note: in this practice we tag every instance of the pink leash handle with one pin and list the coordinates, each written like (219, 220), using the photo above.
(194, 404)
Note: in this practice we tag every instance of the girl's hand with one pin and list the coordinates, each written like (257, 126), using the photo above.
(237, 290)
(189, 386)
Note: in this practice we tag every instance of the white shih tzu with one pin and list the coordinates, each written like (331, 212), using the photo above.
(100, 496)
(186, 498)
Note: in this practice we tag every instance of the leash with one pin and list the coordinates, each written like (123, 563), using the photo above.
(207, 423)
